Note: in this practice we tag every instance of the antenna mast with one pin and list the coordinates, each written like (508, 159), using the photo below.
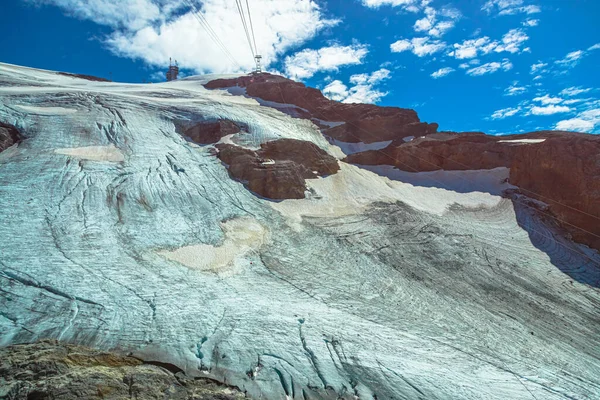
(258, 69)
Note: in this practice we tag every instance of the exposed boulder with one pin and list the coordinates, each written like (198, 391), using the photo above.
(279, 169)
(9, 135)
(365, 123)
(208, 132)
(53, 370)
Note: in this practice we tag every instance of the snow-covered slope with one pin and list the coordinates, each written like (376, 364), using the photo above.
(120, 234)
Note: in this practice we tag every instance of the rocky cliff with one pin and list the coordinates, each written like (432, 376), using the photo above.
(561, 167)
(365, 123)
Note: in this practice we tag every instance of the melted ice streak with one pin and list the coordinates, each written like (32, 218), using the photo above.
(373, 285)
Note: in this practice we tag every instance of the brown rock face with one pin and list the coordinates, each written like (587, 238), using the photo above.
(363, 122)
(564, 172)
(9, 135)
(211, 132)
(448, 151)
(278, 170)
(52, 370)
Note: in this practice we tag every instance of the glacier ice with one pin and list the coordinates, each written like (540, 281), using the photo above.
(370, 287)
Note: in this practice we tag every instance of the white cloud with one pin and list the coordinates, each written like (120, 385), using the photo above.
(514, 89)
(364, 94)
(472, 48)
(490, 68)
(442, 72)
(509, 7)
(505, 112)
(549, 110)
(538, 67)
(572, 59)
(307, 62)
(130, 15)
(155, 30)
(531, 22)
(584, 122)
(363, 90)
(432, 26)
(548, 100)
(575, 101)
(401, 45)
(373, 78)
(393, 3)
(574, 91)
(423, 25)
(422, 46)
(575, 124)
(594, 47)
(511, 42)
(336, 90)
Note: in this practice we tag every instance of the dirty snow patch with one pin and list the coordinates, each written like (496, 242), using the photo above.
(242, 236)
(94, 153)
(352, 190)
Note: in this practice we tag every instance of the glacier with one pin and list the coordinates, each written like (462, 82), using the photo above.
(120, 234)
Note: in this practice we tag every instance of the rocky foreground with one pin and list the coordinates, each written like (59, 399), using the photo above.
(256, 236)
(49, 370)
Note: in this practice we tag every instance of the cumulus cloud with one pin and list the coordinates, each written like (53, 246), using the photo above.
(575, 124)
(442, 72)
(371, 79)
(511, 42)
(336, 90)
(538, 67)
(431, 23)
(505, 112)
(531, 22)
(509, 7)
(308, 62)
(363, 91)
(545, 99)
(155, 30)
(490, 68)
(421, 46)
(514, 89)
(549, 110)
(472, 48)
(586, 121)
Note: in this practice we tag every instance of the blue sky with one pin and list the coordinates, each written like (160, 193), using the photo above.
(499, 66)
